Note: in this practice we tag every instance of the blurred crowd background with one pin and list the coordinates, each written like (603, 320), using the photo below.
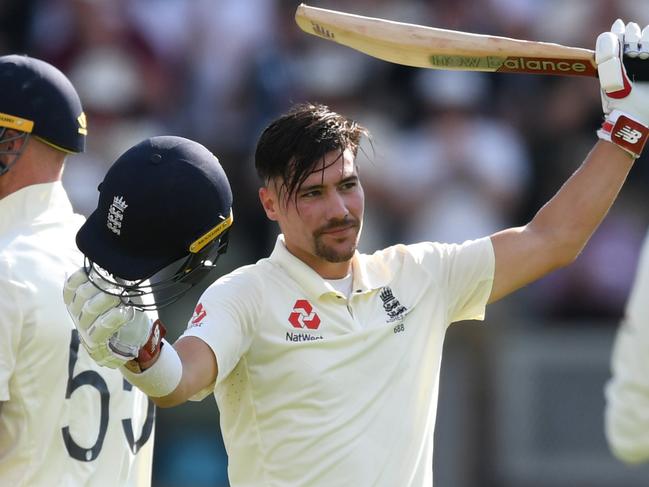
(454, 156)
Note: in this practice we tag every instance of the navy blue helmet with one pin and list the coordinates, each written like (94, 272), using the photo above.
(162, 221)
(36, 99)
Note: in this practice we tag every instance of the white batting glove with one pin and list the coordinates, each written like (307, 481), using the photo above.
(110, 331)
(625, 103)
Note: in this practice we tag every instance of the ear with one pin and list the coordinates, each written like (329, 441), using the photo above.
(269, 202)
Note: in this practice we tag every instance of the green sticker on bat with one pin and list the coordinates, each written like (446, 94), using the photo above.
(468, 63)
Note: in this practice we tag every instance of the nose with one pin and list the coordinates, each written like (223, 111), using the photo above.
(337, 207)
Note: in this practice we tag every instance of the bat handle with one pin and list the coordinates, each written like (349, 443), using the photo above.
(637, 69)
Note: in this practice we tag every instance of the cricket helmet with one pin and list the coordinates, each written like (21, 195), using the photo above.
(37, 99)
(162, 220)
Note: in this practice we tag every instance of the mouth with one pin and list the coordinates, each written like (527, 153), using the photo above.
(341, 231)
(337, 230)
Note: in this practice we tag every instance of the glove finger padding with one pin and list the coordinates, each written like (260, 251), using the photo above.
(78, 289)
(612, 76)
(111, 318)
(111, 332)
(117, 335)
(632, 36)
(94, 306)
(618, 28)
(72, 282)
(83, 295)
(644, 44)
(128, 340)
(625, 104)
(105, 357)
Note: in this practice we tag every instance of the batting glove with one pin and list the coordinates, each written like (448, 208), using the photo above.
(625, 103)
(112, 332)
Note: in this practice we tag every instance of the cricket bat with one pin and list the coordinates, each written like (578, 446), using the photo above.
(429, 47)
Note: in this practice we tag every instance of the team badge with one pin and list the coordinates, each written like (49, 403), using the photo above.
(393, 308)
(116, 215)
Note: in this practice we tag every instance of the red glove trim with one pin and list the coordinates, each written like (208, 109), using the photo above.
(151, 348)
(624, 92)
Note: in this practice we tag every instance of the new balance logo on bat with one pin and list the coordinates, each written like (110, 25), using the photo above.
(628, 134)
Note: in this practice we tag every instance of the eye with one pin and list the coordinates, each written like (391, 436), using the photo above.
(311, 194)
(349, 185)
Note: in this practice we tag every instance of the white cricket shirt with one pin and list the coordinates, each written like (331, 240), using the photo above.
(64, 421)
(627, 393)
(321, 391)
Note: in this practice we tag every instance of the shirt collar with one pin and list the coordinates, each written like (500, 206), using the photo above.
(368, 274)
(33, 203)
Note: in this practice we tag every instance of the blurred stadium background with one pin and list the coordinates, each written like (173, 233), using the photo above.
(455, 156)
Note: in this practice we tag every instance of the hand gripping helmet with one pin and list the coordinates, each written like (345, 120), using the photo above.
(37, 99)
(162, 221)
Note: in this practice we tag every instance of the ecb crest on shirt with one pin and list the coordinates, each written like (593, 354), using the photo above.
(393, 308)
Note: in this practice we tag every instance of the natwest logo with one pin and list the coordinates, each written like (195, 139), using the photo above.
(303, 316)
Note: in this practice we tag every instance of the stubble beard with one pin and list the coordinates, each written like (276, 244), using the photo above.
(331, 254)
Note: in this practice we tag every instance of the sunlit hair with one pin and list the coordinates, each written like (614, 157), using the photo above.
(292, 146)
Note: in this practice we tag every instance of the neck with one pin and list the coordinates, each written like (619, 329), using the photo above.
(36, 165)
(337, 270)
(10, 183)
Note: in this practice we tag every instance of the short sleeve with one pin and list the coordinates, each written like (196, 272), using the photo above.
(464, 273)
(226, 318)
(471, 268)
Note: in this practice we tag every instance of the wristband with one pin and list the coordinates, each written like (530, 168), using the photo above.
(625, 132)
(162, 378)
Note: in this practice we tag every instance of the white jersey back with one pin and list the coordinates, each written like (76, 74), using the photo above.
(64, 421)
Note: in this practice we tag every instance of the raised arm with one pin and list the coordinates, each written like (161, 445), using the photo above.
(560, 230)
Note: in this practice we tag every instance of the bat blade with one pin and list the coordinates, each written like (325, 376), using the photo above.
(430, 47)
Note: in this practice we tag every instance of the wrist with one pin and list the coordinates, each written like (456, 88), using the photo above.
(149, 352)
(163, 375)
(625, 131)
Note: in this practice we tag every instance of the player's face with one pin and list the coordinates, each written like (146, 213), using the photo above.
(322, 222)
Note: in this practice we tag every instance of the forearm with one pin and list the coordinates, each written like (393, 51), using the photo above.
(177, 374)
(569, 219)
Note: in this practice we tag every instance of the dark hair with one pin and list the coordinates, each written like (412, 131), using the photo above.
(292, 145)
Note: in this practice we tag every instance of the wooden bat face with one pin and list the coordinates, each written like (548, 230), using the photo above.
(429, 47)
